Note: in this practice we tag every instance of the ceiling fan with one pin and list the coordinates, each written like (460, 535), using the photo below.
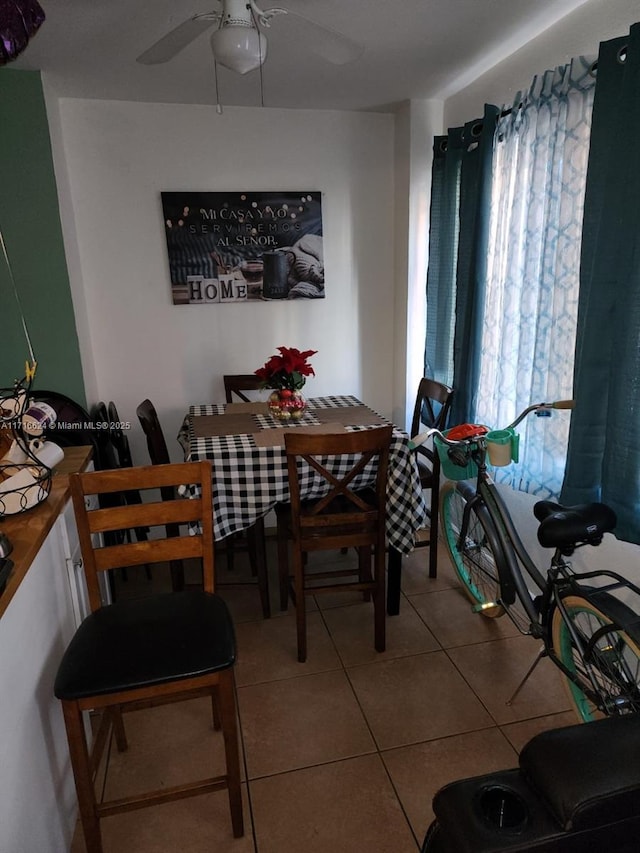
(239, 44)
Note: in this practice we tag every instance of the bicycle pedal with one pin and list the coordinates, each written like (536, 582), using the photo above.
(488, 605)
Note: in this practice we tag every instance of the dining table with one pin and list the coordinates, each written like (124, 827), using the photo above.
(245, 445)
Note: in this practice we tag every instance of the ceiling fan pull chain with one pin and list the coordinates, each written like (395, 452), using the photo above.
(215, 78)
(253, 16)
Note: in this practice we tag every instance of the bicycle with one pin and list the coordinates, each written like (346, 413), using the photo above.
(587, 631)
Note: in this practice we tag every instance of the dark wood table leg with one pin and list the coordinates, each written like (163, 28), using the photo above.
(394, 576)
(257, 551)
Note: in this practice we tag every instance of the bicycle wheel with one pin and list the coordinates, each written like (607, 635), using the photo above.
(474, 562)
(614, 660)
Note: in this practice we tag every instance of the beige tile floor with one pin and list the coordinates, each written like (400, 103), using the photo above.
(344, 753)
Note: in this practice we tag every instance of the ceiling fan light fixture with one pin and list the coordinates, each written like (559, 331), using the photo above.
(239, 48)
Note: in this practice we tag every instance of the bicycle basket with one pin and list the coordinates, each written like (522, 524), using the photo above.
(457, 464)
(450, 469)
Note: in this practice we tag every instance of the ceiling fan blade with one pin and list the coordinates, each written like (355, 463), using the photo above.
(177, 39)
(328, 43)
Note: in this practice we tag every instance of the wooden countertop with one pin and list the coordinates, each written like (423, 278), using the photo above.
(28, 530)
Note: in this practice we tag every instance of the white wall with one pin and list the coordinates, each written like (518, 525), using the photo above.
(417, 122)
(578, 34)
(426, 122)
(112, 161)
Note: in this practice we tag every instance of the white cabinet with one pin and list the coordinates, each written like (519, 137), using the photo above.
(38, 802)
(75, 569)
(73, 562)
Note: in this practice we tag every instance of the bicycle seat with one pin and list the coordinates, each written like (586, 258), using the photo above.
(564, 527)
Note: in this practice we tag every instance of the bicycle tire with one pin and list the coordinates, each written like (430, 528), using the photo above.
(475, 565)
(615, 660)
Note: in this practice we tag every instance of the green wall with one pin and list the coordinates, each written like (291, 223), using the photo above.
(30, 224)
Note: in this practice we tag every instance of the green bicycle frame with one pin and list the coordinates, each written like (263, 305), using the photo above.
(507, 545)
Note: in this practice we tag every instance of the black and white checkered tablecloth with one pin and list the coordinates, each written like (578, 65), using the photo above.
(248, 480)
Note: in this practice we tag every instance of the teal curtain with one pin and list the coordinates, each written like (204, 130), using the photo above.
(461, 193)
(604, 440)
(443, 254)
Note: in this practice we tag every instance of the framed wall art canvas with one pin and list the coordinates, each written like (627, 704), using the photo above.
(229, 247)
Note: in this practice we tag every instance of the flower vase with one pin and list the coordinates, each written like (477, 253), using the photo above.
(285, 405)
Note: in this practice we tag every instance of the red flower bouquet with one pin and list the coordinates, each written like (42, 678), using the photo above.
(287, 371)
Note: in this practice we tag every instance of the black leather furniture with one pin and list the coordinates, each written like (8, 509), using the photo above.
(577, 790)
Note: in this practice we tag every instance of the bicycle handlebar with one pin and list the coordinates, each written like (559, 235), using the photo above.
(536, 407)
(540, 408)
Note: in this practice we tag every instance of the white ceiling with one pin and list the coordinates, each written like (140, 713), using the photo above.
(412, 49)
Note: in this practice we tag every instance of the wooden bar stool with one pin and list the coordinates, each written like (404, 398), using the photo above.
(146, 651)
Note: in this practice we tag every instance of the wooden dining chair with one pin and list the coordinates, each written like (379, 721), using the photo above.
(346, 516)
(159, 455)
(145, 651)
(120, 444)
(118, 437)
(106, 456)
(238, 383)
(109, 458)
(254, 540)
(433, 402)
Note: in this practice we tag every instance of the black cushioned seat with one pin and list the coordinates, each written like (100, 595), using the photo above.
(566, 526)
(142, 642)
(589, 775)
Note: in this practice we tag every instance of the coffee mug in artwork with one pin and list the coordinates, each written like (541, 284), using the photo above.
(275, 275)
